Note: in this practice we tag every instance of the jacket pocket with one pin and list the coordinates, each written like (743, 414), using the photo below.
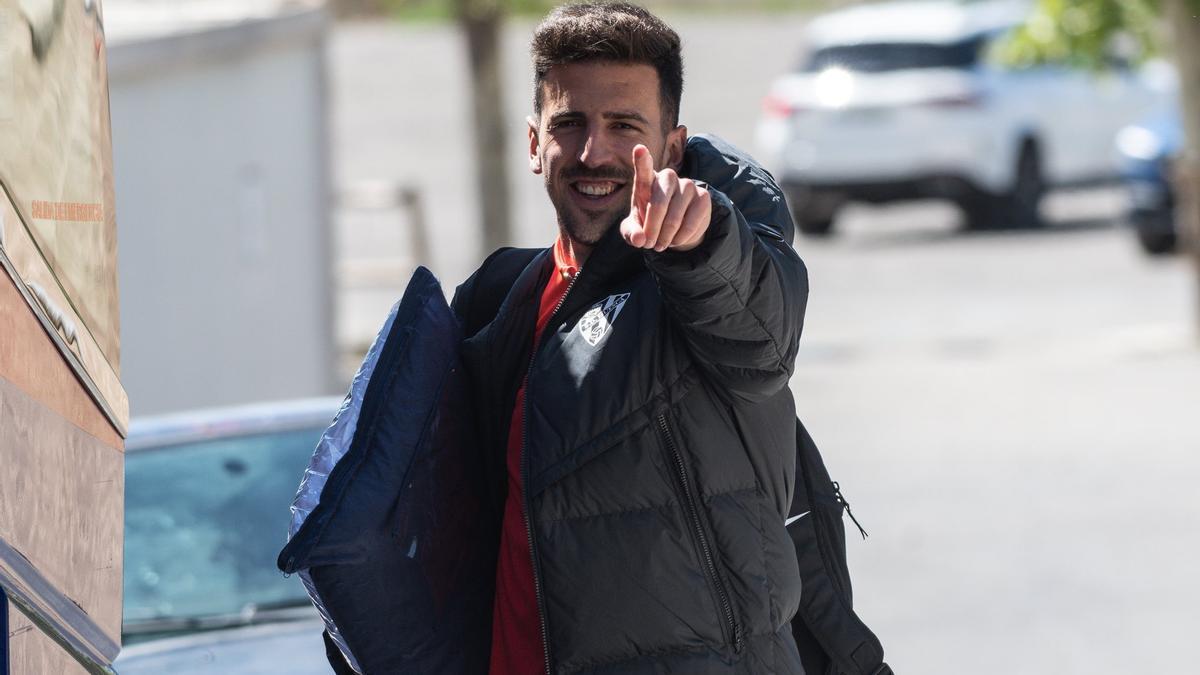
(689, 500)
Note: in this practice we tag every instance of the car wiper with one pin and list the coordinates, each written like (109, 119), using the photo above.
(290, 603)
(251, 614)
(183, 624)
(280, 610)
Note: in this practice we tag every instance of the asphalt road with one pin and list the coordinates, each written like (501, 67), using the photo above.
(1010, 413)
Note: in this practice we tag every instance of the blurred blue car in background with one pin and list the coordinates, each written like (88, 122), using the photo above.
(206, 512)
(1147, 152)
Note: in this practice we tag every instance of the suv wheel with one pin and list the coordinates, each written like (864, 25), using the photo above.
(814, 226)
(1157, 242)
(1019, 207)
(813, 212)
(1023, 200)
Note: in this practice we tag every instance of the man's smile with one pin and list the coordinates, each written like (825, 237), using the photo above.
(595, 192)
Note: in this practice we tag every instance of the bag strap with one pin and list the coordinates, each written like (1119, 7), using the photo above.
(826, 613)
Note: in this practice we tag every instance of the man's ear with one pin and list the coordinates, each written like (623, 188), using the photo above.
(676, 143)
(535, 157)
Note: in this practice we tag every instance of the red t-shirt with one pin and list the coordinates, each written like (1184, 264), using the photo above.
(517, 647)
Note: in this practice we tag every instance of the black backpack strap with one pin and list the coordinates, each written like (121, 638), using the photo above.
(826, 629)
(478, 298)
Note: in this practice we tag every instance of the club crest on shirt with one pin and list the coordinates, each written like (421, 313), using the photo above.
(594, 324)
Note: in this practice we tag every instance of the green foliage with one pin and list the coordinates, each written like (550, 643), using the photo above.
(444, 10)
(419, 10)
(1085, 33)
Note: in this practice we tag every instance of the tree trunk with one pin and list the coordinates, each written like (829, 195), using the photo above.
(481, 22)
(1184, 18)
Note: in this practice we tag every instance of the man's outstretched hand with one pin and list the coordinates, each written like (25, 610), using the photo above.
(666, 211)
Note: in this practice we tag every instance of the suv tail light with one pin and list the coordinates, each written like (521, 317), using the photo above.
(776, 106)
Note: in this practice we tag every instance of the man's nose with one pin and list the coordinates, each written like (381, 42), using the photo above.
(597, 150)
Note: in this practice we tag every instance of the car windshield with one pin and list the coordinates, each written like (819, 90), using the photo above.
(884, 57)
(204, 522)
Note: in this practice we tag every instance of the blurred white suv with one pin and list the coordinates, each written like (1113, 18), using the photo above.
(904, 100)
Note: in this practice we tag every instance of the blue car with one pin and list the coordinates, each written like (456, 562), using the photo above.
(206, 503)
(1147, 153)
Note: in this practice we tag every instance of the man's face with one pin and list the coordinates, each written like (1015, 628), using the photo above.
(593, 114)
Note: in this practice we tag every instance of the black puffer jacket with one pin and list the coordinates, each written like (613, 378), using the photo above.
(660, 438)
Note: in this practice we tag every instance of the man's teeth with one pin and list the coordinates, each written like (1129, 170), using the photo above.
(595, 190)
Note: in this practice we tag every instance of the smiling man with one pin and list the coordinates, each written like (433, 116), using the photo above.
(631, 379)
(590, 138)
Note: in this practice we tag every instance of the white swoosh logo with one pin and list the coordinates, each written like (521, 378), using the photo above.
(793, 519)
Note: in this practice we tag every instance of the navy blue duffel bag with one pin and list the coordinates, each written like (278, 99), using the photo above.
(386, 531)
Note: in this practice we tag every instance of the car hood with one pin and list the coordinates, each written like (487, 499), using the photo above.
(1166, 124)
(1142, 147)
(293, 647)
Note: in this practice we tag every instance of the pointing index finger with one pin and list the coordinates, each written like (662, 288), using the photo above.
(643, 180)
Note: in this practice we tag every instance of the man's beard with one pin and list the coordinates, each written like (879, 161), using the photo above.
(583, 227)
(589, 231)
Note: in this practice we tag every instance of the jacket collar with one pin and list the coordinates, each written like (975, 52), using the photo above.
(611, 262)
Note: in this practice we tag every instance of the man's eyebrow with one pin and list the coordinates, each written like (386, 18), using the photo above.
(625, 115)
(610, 115)
(566, 115)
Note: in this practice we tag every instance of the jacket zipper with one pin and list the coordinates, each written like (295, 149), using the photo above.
(837, 493)
(537, 580)
(698, 529)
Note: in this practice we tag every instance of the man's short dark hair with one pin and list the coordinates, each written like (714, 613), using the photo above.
(619, 32)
